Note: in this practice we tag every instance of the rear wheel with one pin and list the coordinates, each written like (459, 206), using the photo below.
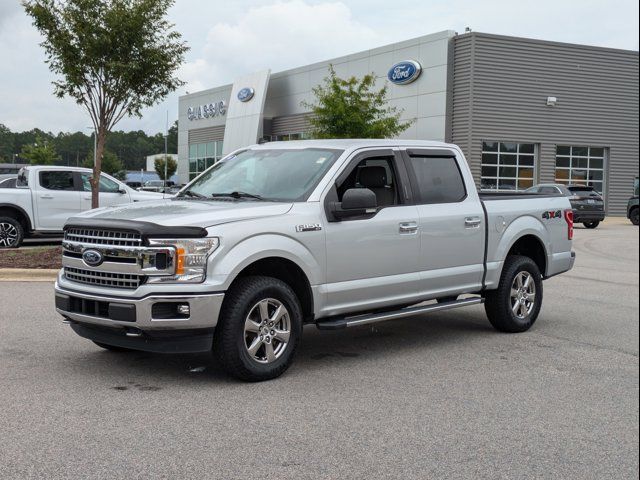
(514, 306)
(591, 224)
(259, 329)
(11, 232)
(634, 216)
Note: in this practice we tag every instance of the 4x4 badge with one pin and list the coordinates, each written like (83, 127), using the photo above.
(552, 214)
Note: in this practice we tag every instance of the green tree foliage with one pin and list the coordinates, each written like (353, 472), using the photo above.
(111, 164)
(41, 152)
(114, 57)
(353, 108)
(159, 164)
(6, 145)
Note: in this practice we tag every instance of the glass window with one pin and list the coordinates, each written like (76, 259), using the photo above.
(106, 185)
(577, 165)
(439, 179)
(57, 180)
(507, 166)
(282, 175)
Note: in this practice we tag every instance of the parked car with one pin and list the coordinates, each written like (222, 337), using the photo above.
(45, 197)
(335, 233)
(632, 205)
(587, 203)
(8, 182)
(156, 186)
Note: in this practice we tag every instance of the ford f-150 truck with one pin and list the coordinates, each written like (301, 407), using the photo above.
(336, 233)
(45, 197)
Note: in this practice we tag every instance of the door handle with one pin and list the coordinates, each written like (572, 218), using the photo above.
(46, 197)
(408, 228)
(472, 222)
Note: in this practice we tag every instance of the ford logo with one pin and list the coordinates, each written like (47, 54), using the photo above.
(92, 258)
(246, 94)
(404, 72)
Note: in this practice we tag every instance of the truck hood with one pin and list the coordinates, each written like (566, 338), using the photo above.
(190, 212)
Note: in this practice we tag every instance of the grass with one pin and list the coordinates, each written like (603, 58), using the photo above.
(31, 257)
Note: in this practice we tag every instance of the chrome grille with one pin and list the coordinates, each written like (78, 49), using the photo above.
(95, 236)
(104, 279)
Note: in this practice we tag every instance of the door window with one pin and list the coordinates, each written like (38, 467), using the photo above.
(57, 180)
(106, 184)
(378, 175)
(438, 179)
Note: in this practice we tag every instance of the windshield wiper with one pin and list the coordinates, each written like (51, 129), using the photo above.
(237, 194)
(189, 193)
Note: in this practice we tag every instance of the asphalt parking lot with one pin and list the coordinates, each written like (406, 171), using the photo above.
(437, 396)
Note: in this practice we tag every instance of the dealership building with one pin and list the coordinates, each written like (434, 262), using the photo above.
(523, 111)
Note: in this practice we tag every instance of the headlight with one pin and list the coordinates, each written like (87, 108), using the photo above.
(191, 258)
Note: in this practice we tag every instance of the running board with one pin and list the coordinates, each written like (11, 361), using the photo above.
(344, 322)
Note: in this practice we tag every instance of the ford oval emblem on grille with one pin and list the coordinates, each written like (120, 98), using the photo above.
(92, 258)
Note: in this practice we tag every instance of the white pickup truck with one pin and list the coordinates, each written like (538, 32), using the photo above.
(45, 197)
(336, 233)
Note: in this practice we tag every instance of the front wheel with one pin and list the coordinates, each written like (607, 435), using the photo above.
(259, 329)
(514, 306)
(11, 232)
(591, 224)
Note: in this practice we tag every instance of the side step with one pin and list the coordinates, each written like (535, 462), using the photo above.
(344, 322)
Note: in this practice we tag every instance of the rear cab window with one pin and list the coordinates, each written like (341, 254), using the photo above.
(436, 177)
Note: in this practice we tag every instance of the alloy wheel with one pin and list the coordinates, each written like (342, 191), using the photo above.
(523, 295)
(267, 330)
(8, 235)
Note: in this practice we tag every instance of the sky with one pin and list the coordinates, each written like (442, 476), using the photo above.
(233, 37)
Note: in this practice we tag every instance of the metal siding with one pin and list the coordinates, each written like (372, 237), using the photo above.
(208, 134)
(504, 82)
(290, 124)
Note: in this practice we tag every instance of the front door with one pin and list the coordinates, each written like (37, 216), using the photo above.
(373, 261)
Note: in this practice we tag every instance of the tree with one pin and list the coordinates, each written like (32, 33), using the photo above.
(158, 165)
(6, 144)
(40, 153)
(114, 57)
(352, 108)
(111, 164)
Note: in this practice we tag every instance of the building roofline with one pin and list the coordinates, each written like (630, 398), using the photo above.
(548, 42)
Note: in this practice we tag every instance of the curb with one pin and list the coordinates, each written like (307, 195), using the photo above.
(28, 274)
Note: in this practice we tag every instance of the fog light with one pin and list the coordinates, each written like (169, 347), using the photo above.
(183, 309)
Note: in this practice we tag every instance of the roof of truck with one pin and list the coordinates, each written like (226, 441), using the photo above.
(346, 144)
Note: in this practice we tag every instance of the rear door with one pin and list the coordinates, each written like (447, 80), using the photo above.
(111, 192)
(451, 224)
(56, 198)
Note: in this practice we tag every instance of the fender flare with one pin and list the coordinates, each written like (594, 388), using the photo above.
(21, 211)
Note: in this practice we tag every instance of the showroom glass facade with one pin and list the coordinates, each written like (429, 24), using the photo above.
(508, 165)
(581, 166)
(202, 156)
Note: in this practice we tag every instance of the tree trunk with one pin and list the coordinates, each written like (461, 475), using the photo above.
(97, 168)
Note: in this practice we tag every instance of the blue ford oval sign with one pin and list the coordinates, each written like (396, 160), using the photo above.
(404, 72)
(92, 258)
(246, 94)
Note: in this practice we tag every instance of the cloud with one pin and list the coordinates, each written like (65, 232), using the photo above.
(278, 36)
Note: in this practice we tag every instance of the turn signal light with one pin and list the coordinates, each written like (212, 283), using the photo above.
(180, 254)
(568, 216)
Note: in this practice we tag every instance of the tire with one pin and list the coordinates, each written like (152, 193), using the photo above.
(112, 348)
(634, 216)
(246, 343)
(592, 225)
(500, 305)
(11, 233)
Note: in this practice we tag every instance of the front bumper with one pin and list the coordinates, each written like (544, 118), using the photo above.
(135, 322)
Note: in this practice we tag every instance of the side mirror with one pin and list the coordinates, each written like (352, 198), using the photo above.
(356, 202)
(122, 191)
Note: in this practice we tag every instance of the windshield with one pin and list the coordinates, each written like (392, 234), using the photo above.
(275, 174)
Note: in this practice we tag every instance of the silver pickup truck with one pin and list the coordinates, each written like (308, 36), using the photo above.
(335, 233)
